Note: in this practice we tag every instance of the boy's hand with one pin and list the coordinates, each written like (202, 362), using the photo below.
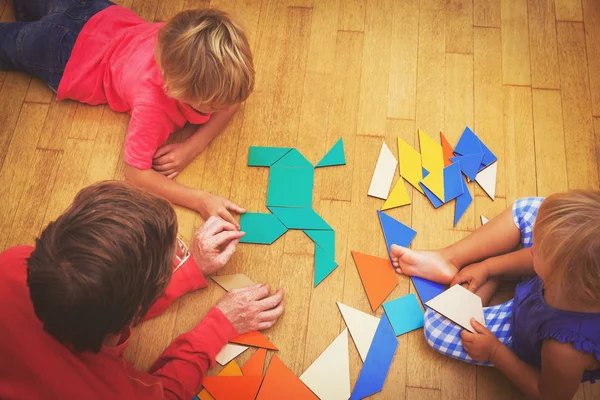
(475, 275)
(214, 244)
(211, 205)
(481, 345)
(172, 158)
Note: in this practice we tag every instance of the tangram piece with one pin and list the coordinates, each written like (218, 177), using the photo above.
(432, 154)
(434, 181)
(432, 197)
(376, 366)
(404, 313)
(487, 179)
(324, 265)
(362, 327)
(230, 282)
(425, 173)
(488, 156)
(484, 220)
(410, 164)
(398, 197)
(468, 143)
(469, 164)
(377, 275)
(395, 232)
(324, 239)
(426, 289)
(383, 174)
(265, 156)
(261, 228)
(329, 376)
(281, 383)
(231, 369)
(290, 187)
(300, 218)
(335, 156)
(453, 182)
(459, 305)
(254, 339)
(232, 387)
(462, 203)
(255, 365)
(229, 352)
(446, 149)
(293, 159)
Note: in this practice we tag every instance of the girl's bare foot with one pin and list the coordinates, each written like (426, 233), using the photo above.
(424, 264)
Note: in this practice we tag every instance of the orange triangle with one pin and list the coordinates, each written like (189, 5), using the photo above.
(377, 275)
(231, 369)
(447, 150)
(281, 383)
(254, 366)
(232, 387)
(255, 339)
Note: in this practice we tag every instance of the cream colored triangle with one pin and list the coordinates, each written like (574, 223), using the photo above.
(383, 174)
(362, 327)
(484, 220)
(329, 376)
(230, 282)
(459, 305)
(229, 352)
(398, 197)
(487, 179)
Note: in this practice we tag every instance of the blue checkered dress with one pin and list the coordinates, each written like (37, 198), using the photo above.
(444, 335)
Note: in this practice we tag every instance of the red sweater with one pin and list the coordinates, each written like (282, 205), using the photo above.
(34, 365)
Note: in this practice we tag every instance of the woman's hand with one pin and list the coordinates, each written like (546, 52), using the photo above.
(251, 308)
(172, 158)
(474, 275)
(214, 244)
(211, 205)
(480, 346)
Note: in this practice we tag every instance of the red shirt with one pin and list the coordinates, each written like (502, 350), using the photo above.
(113, 62)
(34, 365)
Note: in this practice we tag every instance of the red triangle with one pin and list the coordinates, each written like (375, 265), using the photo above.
(254, 366)
(254, 339)
(377, 275)
(232, 387)
(447, 150)
(281, 383)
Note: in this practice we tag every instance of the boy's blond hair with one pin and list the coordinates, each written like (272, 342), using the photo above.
(205, 58)
(567, 237)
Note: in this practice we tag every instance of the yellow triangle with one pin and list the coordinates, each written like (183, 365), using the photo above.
(432, 153)
(399, 196)
(435, 182)
(231, 369)
(410, 164)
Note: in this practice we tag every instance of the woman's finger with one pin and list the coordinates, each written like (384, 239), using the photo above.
(260, 293)
(227, 236)
(220, 225)
(272, 301)
(227, 253)
(265, 324)
(272, 314)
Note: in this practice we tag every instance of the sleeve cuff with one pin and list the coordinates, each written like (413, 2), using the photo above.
(191, 273)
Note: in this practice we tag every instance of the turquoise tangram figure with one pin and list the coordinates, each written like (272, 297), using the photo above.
(289, 198)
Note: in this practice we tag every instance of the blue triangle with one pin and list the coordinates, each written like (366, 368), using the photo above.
(378, 361)
(335, 156)
(453, 186)
(462, 203)
(468, 143)
(424, 172)
(426, 289)
(395, 232)
(488, 156)
(437, 203)
(469, 164)
(324, 239)
(324, 265)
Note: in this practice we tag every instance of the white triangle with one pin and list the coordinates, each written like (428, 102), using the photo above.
(487, 179)
(381, 182)
(362, 327)
(459, 305)
(484, 220)
(329, 376)
(229, 352)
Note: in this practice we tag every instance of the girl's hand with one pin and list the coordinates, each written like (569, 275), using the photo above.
(480, 346)
(474, 275)
(211, 205)
(214, 244)
(171, 159)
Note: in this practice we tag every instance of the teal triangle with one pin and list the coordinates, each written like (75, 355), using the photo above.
(324, 239)
(259, 156)
(293, 159)
(324, 265)
(335, 156)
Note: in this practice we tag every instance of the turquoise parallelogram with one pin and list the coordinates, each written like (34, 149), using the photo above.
(300, 218)
(324, 265)
(290, 187)
(261, 228)
(293, 159)
(324, 239)
(265, 156)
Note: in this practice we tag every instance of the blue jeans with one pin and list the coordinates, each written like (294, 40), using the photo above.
(41, 41)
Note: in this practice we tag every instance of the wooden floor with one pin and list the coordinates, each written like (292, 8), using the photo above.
(525, 75)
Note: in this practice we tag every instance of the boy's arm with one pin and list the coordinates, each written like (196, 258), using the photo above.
(208, 131)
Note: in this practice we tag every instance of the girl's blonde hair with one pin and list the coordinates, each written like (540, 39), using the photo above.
(205, 58)
(567, 237)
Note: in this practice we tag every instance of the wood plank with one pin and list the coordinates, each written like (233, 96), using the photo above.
(486, 13)
(269, 45)
(582, 163)
(591, 15)
(569, 10)
(11, 100)
(86, 121)
(145, 8)
(597, 130)
(196, 4)
(402, 85)
(493, 385)
(57, 125)
(591, 391)
(352, 15)
(16, 171)
(375, 69)
(550, 159)
(39, 92)
(487, 113)
(168, 9)
(519, 150)
(515, 49)
(542, 44)
(323, 37)
(459, 26)
(414, 393)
